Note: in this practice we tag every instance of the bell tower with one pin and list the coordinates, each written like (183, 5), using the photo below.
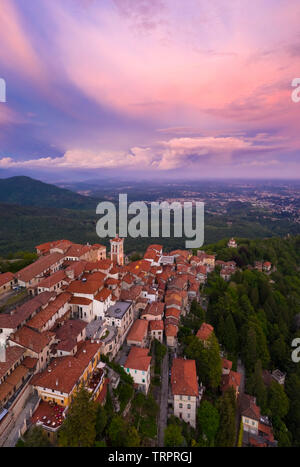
(117, 250)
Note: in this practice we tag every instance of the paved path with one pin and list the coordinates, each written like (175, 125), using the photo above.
(13, 436)
(241, 369)
(163, 414)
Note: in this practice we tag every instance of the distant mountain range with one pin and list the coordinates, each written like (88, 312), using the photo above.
(33, 212)
(26, 191)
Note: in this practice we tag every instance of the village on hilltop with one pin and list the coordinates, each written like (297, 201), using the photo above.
(83, 306)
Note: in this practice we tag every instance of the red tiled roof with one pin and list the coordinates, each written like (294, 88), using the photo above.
(171, 330)
(80, 301)
(88, 287)
(23, 312)
(52, 280)
(154, 308)
(66, 371)
(172, 312)
(96, 277)
(205, 331)
(71, 329)
(13, 354)
(103, 295)
(156, 325)
(29, 362)
(77, 250)
(150, 254)
(138, 359)
(227, 364)
(155, 247)
(184, 377)
(117, 239)
(138, 331)
(31, 339)
(43, 316)
(232, 380)
(44, 247)
(5, 278)
(128, 279)
(38, 267)
(248, 407)
(131, 294)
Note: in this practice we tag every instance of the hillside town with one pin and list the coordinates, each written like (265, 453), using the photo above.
(85, 309)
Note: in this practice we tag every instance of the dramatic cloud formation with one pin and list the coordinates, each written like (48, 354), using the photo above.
(155, 85)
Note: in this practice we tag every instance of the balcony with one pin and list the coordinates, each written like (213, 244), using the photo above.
(95, 381)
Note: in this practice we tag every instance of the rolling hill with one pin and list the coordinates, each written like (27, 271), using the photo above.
(27, 191)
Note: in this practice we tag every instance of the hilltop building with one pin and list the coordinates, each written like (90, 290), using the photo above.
(117, 250)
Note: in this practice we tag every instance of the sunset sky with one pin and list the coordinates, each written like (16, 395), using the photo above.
(149, 88)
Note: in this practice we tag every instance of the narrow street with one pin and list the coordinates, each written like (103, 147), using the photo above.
(241, 370)
(163, 414)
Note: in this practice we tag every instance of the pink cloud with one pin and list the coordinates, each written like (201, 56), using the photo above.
(162, 155)
(16, 50)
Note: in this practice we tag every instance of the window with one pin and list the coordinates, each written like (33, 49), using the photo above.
(143, 380)
(189, 406)
(180, 406)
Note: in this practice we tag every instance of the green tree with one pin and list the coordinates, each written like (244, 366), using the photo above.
(227, 429)
(132, 438)
(250, 354)
(209, 364)
(79, 430)
(277, 400)
(230, 335)
(208, 419)
(34, 438)
(173, 436)
(117, 431)
(257, 387)
(101, 422)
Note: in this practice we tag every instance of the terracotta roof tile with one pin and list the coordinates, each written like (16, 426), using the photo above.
(156, 325)
(66, 371)
(138, 331)
(5, 278)
(31, 339)
(138, 359)
(38, 267)
(184, 377)
(205, 331)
